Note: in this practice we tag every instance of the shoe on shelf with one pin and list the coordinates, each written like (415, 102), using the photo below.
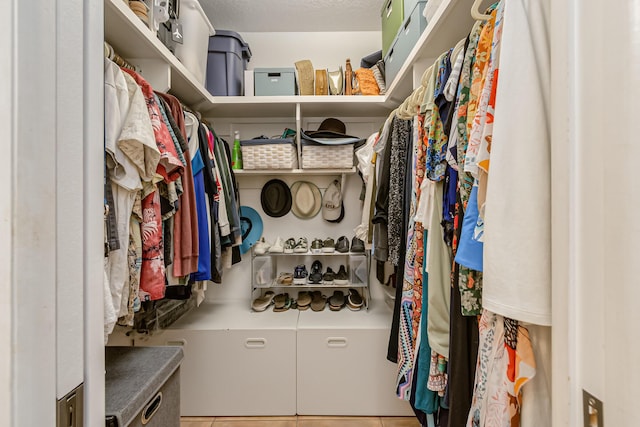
(262, 302)
(300, 275)
(341, 277)
(282, 302)
(315, 274)
(354, 300)
(261, 247)
(328, 277)
(328, 246)
(304, 300)
(277, 247)
(318, 301)
(284, 279)
(357, 245)
(342, 245)
(316, 246)
(336, 301)
(302, 246)
(289, 244)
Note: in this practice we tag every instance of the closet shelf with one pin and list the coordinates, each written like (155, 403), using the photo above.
(310, 106)
(451, 22)
(135, 42)
(263, 172)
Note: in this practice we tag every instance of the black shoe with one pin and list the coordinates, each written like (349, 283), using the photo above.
(328, 276)
(342, 245)
(341, 277)
(315, 275)
(357, 245)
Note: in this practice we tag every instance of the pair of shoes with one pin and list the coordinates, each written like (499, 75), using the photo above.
(315, 276)
(342, 245)
(328, 277)
(328, 246)
(354, 300)
(291, 246)
(300, 275)
(284, 279)
(316, 246)
(261, 247)
(341, 277)
(277, 247)
(282, 302)
(336, 301)
(304, 300)
(318, 301)
(357, 245)
(263, 302)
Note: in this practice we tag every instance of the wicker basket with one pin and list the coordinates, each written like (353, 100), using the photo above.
(269, 154)
(321, 156)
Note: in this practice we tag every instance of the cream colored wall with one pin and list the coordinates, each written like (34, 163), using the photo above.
(323, 49)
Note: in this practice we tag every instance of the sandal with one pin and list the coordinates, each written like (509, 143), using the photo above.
(336, 302)
(318, 302)
(282, 302)
(285, 279)
(261, 303)
(304, 300)
(354, 300)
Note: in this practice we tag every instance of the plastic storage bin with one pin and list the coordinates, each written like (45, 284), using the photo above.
(408, 35)
(228, 57)
(392, 15)
(196, 30)
(274, 81)
(269, 154)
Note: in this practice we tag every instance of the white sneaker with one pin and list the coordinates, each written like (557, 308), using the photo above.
(261, 247)
(277, 247)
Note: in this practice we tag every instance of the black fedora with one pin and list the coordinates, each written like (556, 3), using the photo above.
(275, 198)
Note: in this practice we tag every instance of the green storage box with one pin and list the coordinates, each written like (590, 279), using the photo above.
(274, 81)
(392, 15)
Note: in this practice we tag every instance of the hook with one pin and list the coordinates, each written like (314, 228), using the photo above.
(475, 12)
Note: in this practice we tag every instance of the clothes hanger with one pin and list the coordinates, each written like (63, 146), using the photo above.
(475, 12)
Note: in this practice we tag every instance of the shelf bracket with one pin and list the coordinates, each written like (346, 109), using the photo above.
(156, 72)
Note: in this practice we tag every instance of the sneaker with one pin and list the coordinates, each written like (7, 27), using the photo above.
(341, 277)
(261, 247)
(316, 246)
(315, 275)
(357, 245)
(342, 245)
(300, 275)
(328, 246)
(277, 247)
(328, 277)
(289, 244)
(302, 246)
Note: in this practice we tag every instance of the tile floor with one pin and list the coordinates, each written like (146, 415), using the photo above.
(299, 421)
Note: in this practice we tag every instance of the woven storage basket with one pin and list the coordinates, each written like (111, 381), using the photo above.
(321, 156)
(269, 154)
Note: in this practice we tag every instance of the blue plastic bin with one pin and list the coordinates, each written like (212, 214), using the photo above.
(227, 60)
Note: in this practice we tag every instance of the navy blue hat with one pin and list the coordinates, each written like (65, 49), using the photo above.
(251, 226)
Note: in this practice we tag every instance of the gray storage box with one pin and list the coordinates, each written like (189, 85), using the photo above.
(408, 35)
(227, 60)
(274, 81)
(142, 386)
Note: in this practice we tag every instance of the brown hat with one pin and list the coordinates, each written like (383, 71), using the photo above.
(330, 128)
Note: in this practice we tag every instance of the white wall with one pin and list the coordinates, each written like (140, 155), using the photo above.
(604, 200)
(324, 50)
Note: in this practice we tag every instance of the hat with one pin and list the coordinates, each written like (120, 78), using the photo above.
(275, 198)
(330, 128)
(251, 227)
(307, 199)
(332, 206)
